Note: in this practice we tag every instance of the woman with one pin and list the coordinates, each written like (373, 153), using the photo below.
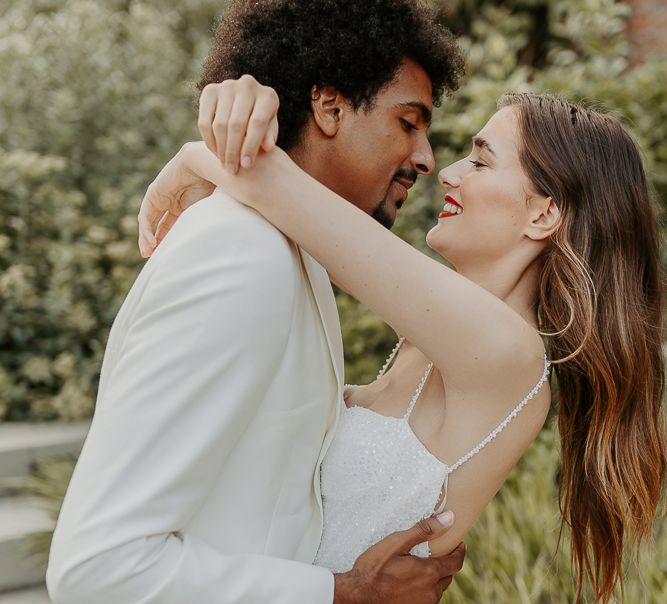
(550, 225)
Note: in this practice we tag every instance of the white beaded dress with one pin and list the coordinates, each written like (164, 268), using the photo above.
(378, 478)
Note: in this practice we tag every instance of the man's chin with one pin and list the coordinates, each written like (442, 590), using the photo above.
(385, 216)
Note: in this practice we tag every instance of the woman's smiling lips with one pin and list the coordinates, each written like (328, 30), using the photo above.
(451, 208)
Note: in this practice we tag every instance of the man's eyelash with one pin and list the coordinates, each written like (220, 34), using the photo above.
(408, 125)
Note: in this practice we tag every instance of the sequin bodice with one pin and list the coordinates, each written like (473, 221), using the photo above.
(377, 478)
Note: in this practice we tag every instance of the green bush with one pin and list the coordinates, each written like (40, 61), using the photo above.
(96, 96)
(571, 47)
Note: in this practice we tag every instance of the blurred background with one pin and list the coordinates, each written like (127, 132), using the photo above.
(96, 96)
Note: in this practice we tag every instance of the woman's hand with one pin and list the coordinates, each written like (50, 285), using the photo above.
(174, 190)
(236, 117)
(192, 174)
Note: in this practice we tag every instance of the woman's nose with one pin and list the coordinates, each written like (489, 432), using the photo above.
(450, 176)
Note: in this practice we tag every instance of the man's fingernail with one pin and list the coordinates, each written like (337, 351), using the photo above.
(446, 518)
(246, 162)
(231, 168)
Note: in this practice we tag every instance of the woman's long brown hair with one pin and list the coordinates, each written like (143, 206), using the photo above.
(600, 302)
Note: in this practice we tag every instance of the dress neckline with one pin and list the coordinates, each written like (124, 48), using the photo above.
(401, 420)
(405, 419)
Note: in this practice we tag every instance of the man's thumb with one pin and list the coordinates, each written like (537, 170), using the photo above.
(425, 530)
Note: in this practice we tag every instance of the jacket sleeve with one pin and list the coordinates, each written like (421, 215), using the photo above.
(190, 357)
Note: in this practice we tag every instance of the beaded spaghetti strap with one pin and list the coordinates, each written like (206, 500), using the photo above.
(422, 383)
(420, 387)
(391, 357)
(475, 450)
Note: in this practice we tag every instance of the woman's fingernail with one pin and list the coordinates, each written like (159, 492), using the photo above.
(246, 162)
(446, 518)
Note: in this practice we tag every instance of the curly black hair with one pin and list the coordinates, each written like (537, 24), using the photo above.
(356, 46)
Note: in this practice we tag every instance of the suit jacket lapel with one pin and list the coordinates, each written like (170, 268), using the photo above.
(326, 303)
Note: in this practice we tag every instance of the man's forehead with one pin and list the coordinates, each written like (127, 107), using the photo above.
(410, 88)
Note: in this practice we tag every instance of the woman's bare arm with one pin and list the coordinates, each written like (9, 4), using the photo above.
(464, 329)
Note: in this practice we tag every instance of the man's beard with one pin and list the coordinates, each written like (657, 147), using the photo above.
(380, 214)
(380, 211)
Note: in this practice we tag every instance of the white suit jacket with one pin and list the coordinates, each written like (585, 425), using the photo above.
(199, 480)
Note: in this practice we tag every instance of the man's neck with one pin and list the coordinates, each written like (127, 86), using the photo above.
(308, 160)
(298, 156)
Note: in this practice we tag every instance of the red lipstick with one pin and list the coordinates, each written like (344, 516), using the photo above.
(449, 199)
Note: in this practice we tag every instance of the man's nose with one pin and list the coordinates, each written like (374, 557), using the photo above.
(422, 158)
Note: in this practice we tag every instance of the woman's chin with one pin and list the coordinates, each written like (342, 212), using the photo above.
(435, 240)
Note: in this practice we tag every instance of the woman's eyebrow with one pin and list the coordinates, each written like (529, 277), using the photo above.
(482, 143)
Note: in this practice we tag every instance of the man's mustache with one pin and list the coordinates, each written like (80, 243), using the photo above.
(407, 174)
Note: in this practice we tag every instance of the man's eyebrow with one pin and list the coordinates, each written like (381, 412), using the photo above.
(423, 109)
(482, 143)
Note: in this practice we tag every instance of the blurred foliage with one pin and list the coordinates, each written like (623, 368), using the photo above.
(512, 556)
(95, 99)
(576, 48)
(48, 481)
(96, 96)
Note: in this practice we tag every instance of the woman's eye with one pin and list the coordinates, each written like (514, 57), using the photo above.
(408, 125)
(477, 164)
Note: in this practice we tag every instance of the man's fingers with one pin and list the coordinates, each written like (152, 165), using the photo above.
(451, 563)
(444, 583)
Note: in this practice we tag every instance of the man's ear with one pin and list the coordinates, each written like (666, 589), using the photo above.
(544, 218)
(328, 107)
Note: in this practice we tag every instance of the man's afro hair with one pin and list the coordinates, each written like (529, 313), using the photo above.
(356, 46)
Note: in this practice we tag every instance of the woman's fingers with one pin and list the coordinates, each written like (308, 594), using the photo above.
(239, 122)
(269, 141)
(223, 110)
(147, 241)
(208, 102)
(168, 221)
(262, 128)
(236, 118)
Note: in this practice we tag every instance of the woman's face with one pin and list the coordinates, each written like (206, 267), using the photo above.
(486, 214)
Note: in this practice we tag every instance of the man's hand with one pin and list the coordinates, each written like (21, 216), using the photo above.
(387, 574)
(236, 117)
(174, 189)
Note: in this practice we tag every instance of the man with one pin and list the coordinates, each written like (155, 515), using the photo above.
(220, 389)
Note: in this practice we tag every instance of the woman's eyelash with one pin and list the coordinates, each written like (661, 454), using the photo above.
(477, 164)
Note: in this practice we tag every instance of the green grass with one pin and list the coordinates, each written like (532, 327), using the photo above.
(512, 556)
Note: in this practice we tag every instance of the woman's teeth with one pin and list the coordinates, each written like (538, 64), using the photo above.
(451, 208)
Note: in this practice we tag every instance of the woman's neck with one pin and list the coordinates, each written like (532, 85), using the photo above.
(514, 281)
